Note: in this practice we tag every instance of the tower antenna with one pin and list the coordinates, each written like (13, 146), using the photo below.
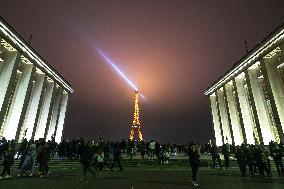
(246, 46)
(30, 40)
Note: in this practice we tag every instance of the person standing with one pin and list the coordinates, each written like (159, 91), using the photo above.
(276, 154)
(249, 153)
(100, 159)
(258, 160)
(142, 149)
(266, 161)
(86, 159)
(3, 146)
(152, 149)
(226, 153)
(45, 156)
(241, 159)
(29, 162)
(193, 155)
(215, 156)
(116, 156)
(33, 158)
(8, 162)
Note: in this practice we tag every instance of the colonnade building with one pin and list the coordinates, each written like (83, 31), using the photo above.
(33, 96)
(247, 102)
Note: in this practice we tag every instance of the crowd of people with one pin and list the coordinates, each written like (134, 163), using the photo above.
(99, 154)
(29, 153)
(103, 154)
(257, 158)
(72, 149)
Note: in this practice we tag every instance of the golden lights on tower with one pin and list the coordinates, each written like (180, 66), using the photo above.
(136, 127)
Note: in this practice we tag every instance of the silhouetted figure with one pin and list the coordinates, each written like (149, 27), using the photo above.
(241, 159)
(226, 153)
(276, 153)
(8, 162)
(44, 159)
(193, 155)
(152, 146)
(116, 156)
(86, 160)
(266, 161)
(142, 149)
(215, 156)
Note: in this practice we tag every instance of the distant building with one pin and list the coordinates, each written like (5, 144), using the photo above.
(247, 103)
(33, 96)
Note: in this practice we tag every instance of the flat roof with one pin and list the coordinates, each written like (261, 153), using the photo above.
(260, 50)
(32, 55)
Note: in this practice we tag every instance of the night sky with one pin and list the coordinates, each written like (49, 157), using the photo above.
(172, 50)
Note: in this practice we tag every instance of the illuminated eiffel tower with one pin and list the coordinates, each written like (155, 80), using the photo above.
(136, 128)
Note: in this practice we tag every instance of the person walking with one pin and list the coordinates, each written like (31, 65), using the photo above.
(193, 155)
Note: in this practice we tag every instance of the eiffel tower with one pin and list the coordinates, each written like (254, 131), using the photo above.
(136, 128)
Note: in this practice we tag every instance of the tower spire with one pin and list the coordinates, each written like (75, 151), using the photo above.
(136, 127)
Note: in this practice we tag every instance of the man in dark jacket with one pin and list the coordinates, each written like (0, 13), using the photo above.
(86, 160)
(116, 156)
(193, 155)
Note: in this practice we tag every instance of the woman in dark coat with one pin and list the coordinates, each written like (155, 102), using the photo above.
(193, 154)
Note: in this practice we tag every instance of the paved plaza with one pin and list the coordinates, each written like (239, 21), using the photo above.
(143, 178)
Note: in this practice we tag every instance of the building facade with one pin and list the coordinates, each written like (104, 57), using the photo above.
(247, 102)
(33, 96)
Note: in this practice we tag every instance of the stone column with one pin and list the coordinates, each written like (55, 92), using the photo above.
(19, 102)
(8, 68)
(33, 106)
(46, 83)
(257, 132)
(234, 115)
(275, 118)
(219, 117)
(44, 111)
(260, 104)
(216, 123)
(245, 108)
(228, 115)
(239, 112)
(54, 115)
(7, 79)
(277, 85)
(224, 116)
(62, 113)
